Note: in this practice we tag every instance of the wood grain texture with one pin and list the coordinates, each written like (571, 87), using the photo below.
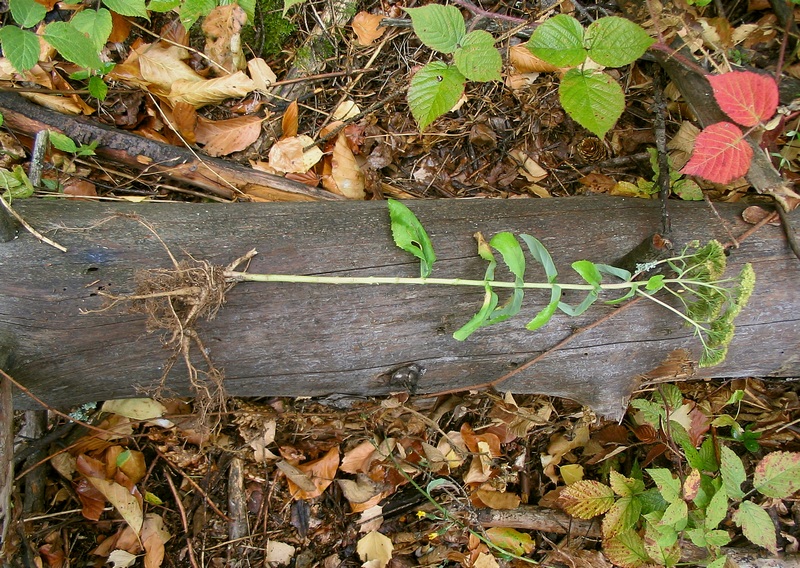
(303, 340)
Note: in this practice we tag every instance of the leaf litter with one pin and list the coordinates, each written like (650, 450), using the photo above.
(397, 481)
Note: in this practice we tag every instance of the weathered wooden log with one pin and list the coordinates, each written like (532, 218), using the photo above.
(304, 339)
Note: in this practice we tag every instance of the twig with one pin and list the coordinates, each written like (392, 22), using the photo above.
(788, 229)
(660, 128)
(530, 362)
(486, 14)
(194, 484)
(30, 229)
(184, 520)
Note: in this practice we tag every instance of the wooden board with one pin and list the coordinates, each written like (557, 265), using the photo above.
(304, 340)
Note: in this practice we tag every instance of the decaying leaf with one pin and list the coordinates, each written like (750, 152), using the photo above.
(261, 74)
(368, 27)
(320, 473)
(127, 505)
(135, 408)
(279, 553)
(222, 28)
(153, 537)
(289, 121)
(223, 137)
(121, 558)
(346, 177)
(525, 62)
(210, 91)
(511, 540)
(287, 155)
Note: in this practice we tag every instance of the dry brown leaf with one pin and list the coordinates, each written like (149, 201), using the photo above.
(120, 28)
(154, 536)
(346, 177)
(278, 553)
(287, 155)
(499, 500)
(368, 27)
(211, 91)
(162, 67)
(127, 505)
(345, 110)
(321, 472)
(261, 74)
(357, 459)
(755, 214)
(289, 121)
(361, 490)
(524, 61)
(79, 188)
(184, 122)
(223, 137)
(222, 28)
(57, 103)
(375, 546)
(133, 465)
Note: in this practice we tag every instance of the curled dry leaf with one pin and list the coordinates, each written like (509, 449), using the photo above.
(154, 536)
(755, 214)
(160, 67)
(211, 91)
(289, 121)
(320, 472)
(346, 177)
(287, 155)
(375, 546)
(223, 137)
(368, 27)
(261, 74)
(346, 109)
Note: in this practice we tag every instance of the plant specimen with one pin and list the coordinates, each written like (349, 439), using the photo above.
(707, 300)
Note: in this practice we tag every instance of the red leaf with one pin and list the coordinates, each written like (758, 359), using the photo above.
(747, 97)
(721, 154)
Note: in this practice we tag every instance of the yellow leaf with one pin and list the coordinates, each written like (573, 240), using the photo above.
(135, 408)
(261, 74)
(375, 546)
(121, 499)
(211, 91)
(511, 540)
(499, 500)
(346, 176)
(571, 473)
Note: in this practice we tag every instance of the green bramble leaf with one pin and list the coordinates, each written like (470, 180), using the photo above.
(676, 515)
(434, 90)
(191, 10)
(62, 142)
(477, 58)
(717, 509)
(410, 235)
(559, 41)
(133, 8)
(97, 87)
(626, 549)
(440, 28)
(162, 6)
(624, 486)
(615, 41)
(94, 23)
(20, 46)
(756, 525)
(732, 471)
(778, 475)
(668, 486)
(622, 516)
(592, 98)
(72, 44)
(27, 13)
(660, 542)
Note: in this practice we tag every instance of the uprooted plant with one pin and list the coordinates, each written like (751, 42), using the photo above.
(175, 299)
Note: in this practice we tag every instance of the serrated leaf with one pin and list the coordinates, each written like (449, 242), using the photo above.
(687, 190)
(20, 46)
(748, 98)
(27, 13)
(62, 142)
(592, 98)
(410, 235)
(133, 8)
(756, 525)
(477, 58)
(668, 486)
(717, 509)
(615, 41)
(163, 5)
(659, 547)
(732, 471)
(624, 486)
(434, 90)
(587, 498)
(622, 516)
(778, 475)
(439, 27)
(721, 154)
(72, 44)
(192, 9)
(676, 515)
(94, 23)
(559, 41)
(626, 550)
(97, 87)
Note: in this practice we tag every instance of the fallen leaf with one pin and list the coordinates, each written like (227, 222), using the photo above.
(161, 67)
(485, 560)
(357, 459)
(499, 500)
(368, 27)
(289, 121)
(154, 536)
(511, 540)
(525, 62)
(210, 91)
(261, 74)
(223, 137)
(320, 472)
(346, 177)
(121, 558)
(222, 28)
(126, 504)
(135, 408)
(755, 214)
(345, 110)
(279, 553)
(287, 155)
(375, 546)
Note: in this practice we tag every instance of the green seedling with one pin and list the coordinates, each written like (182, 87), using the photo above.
(708, 301)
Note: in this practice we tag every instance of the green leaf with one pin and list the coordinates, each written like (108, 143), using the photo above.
(62, 142)
(97, 87)
(559, 41)
(94, 23)
(687, 190)
(588, 272)
(668, 486)
(718, 538)
(15, 185)
(479, 319)
(20, 46)
(655, 283)
(676, 515)
(191, 10)
(477, 58)
(410, 235)
(542, 256)
(732, 471)
(624, 486)
(510, 540)
(670, 396)
(249, 7)
(573, 311)
(626, 549)
(661, 544)
(439, 27)
(547, 312)
(434, 90)
(508, 246)
(756, 525)
(72, 44)
(27, 13)
(592, 98)
(778, 475)
(162, 6)
(133, 8)
(622, 516)
(614, 41)
(717, 509)
(587, 498)
(621, 273)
